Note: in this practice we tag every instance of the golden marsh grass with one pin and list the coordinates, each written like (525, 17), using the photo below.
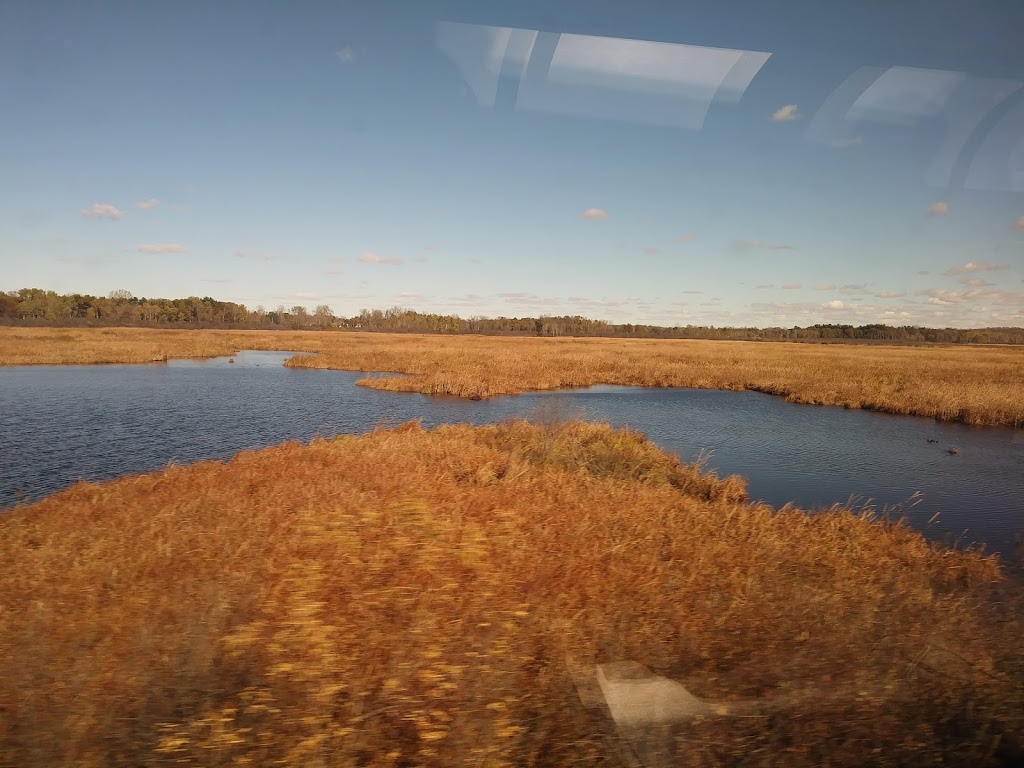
(975, 385)
(410, 598)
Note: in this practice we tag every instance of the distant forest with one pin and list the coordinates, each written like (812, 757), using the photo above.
(34, 306)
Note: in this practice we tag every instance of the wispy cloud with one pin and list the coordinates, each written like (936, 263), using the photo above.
(854, 288)
(785, 114)
(147, 205)
(103, 211)
(1005, 298)
(304, 295)
(650, 250)
(764, 286)
(975, 266)
(369, 257)
(597, 303)
(346, 54)
(846, 143)
(1020, 224)
(792, 286)
(528, 299)
(891, 294)
(923, 272)
(162, 248)
(691, 238)
(768, 246)
(976, 282)
(941, 208)
(259, 256)
(938, 296)
(466, 300)
(826, 287)
(594, 213)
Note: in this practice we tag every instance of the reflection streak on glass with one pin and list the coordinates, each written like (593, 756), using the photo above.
(605, 77)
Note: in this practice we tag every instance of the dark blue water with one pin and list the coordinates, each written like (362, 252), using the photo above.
(61, 423)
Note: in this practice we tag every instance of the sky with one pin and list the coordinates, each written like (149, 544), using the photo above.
(680, 163)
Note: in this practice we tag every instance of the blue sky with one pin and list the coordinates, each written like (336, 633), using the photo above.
(701, 163)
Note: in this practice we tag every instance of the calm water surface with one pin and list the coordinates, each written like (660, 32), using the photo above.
(61, 423)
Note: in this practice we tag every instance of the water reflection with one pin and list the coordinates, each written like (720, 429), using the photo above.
(98, 422)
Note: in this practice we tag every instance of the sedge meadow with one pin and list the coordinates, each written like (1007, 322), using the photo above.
(246, 611)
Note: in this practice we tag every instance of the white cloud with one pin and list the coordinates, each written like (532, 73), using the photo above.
(372, 258)
(940, 296)
(941, 208)
(785, 114)
(891, 294)
(791, 286)
(594, 213)
(162, 248)
(147, 205)
(103, 211)
(976, 282)
(834, 304)
(827, 287)
(972, 266)
(1003, 298)
(346, 54)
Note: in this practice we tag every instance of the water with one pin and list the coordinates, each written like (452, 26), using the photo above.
(58, 424)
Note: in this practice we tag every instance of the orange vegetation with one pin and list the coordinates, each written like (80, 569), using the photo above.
(976, 385)
(411, 598)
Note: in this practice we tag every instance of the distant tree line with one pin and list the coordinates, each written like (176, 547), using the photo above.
(34, 306)
(397, 319)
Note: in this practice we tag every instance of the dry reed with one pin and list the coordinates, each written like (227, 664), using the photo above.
(975, 385)
(409, 598)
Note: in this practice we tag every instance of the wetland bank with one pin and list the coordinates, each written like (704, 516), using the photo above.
(245, 610)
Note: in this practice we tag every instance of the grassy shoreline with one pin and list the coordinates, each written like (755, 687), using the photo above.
(973, 385)
(297, 605)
